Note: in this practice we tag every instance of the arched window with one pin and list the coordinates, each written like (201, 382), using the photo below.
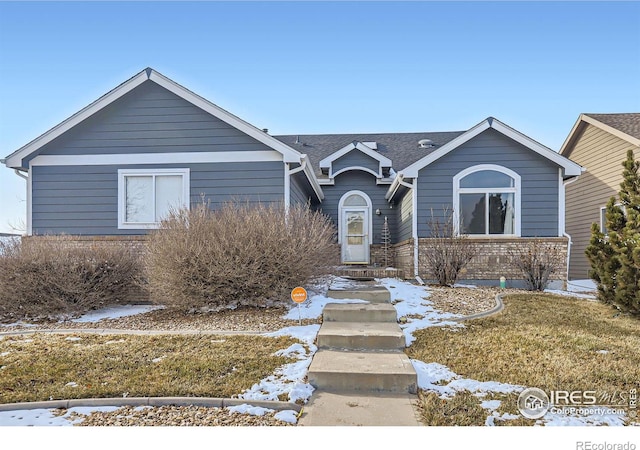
(487, 201)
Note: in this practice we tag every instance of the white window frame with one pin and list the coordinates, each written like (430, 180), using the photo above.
(603, 218)
(516, 190)
(122, 200)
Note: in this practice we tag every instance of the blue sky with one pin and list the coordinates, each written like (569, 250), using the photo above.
(330, 67)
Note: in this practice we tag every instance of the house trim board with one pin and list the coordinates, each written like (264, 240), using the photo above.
(155, 158)
(567, 146)
(570, 168)
(288, 154)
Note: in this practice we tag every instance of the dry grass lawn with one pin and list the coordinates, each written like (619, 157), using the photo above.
(50, 367)
(539, 340)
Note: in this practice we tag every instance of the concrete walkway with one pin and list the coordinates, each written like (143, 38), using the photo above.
(361, 374)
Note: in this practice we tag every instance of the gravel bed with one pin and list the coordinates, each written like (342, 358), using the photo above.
(465, 300)
(176, 416)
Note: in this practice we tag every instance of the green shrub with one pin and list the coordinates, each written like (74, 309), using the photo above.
(53, 276)
(615, 257)
(239, 255)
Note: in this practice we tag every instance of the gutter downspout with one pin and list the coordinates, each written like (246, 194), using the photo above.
(302, 166)
(28, 211)
(564, 232)
(17, 171)
(312, 180)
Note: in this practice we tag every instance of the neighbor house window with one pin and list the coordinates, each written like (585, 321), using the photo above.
(487, 201)
(603, 220)
(603, 217)
(146, 196)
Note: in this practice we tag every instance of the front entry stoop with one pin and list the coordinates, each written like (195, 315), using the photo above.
(360, 372)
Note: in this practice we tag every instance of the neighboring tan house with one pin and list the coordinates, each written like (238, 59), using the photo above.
(114, 168)
(599, 143)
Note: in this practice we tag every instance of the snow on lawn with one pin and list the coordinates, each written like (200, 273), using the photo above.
(411, 303)
(434, 377)
(577, 288)
(48, 417)
(288, 379)
(115, 312)
(581, 286)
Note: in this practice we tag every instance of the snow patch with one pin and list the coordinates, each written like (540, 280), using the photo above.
(411, 303)
(115, 312)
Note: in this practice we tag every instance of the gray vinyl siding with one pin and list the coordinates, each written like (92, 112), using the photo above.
(539, 178)
(355, 158)
(299, 194)
(404, 211)
(365, 182)
(150, 119)
(83, 200)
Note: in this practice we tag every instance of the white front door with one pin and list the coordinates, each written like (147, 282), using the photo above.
(355, 238)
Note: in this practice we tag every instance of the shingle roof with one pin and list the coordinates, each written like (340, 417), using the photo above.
(401, 148)
(628, 123)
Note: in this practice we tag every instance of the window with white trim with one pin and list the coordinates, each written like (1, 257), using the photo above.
(486, 201)
(146, 196)
(603, 217)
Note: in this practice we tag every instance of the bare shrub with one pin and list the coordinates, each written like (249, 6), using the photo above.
(537, 260)
(50, 276)
(448, 252)
(240, 255)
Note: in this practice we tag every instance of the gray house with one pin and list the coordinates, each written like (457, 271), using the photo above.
(114, 168)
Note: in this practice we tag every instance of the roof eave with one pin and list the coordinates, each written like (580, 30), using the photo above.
(585, 119)
(14, 160)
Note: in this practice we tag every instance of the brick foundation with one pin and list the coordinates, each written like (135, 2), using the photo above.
(404, 257)
(493, 260)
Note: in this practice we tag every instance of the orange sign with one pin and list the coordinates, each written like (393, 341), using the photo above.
(299, 295)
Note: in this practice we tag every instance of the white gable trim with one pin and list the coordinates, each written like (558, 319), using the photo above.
(570, 168)
(567, 146)
(383, 161)
(155, 158)
(289, 154)
(347, 169)
(15, 159)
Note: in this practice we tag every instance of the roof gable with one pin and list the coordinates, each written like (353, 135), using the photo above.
(15, 159)
(625, 126)
(570, 168)
(327, 163)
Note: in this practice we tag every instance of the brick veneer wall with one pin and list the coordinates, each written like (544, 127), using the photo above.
(493, 260)
(404, 257)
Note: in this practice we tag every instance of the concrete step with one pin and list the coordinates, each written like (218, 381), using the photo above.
(361, 335)
(336, 371)
(373, 294)
(359, 312)
(360, 409)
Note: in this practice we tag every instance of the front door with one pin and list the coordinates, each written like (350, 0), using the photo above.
(355, 237)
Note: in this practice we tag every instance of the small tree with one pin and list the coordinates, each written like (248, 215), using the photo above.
(615, 258)
(448, 252)
(537, 260)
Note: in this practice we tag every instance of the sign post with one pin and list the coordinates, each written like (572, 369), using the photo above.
(299, 296)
